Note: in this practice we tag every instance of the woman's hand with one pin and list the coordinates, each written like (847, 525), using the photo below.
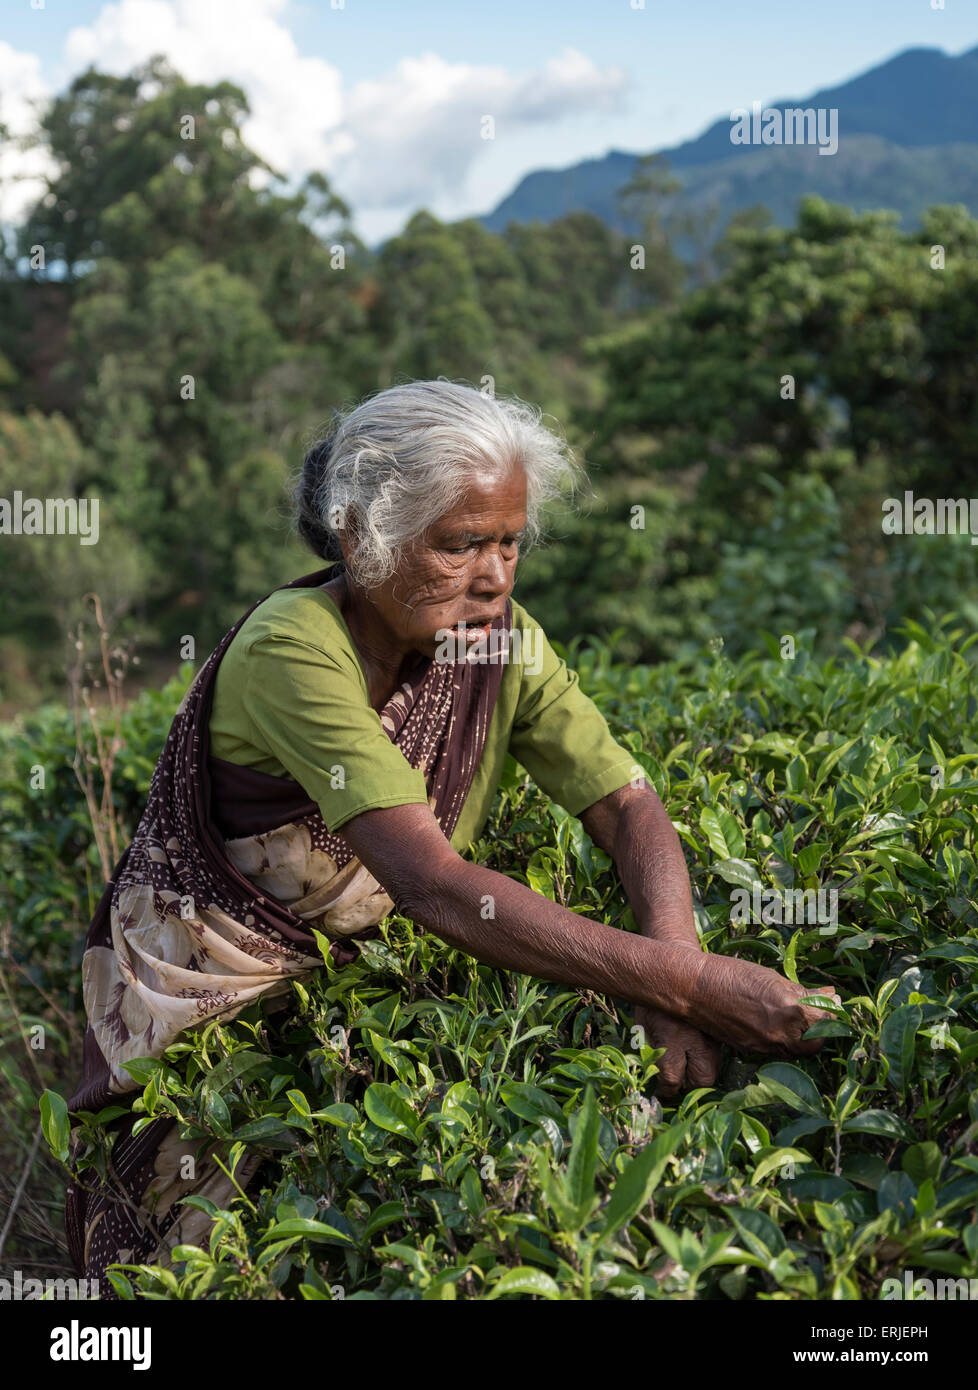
(748, 1006)
(753, 1007)
(691, 1059)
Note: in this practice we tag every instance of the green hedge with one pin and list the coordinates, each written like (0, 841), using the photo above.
(435, 1128)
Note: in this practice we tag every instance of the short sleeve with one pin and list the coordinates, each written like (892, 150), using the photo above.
(559, 735)
(311, 712)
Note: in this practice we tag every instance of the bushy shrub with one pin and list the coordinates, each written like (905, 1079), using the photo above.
(50, 870)
(433, 1128)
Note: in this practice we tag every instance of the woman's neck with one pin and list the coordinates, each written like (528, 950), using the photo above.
(384, 675)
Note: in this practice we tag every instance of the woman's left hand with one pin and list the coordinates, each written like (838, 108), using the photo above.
(691, 1059)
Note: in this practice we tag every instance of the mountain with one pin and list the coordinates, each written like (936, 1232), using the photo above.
(907, 138)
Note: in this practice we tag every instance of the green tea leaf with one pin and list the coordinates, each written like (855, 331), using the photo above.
(897, 1038)
(530, 1102)
(635, 1185)
(776, 1160)
(738, 872)
(583, 1161)
(54, 1123)
(267, 1127)
(922, 1161)
(878, 1122)
(525, 1279)
(217, 1114)
(385, 1215)
(302, 1226)
(724, 835)
(758, 1231)
(390, 1111)
(794, 1086)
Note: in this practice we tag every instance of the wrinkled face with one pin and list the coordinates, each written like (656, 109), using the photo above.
(462, 569)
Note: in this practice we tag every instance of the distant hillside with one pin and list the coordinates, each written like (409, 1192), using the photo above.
(908, 137)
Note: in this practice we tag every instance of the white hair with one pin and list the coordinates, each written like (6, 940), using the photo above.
(405, 457)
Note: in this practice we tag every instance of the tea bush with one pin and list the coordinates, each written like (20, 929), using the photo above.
(433, 1128)
(51, 879)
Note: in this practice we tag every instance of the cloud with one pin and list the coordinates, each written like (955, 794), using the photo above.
(296, 101)
(405, 139)
(402, 140)
(417, 132)
(21, 170)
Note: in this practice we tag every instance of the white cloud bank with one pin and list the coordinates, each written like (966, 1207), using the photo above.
(407, 138)
(21, 171)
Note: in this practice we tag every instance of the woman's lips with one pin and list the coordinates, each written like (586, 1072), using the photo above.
(468, 639)
(468, 633)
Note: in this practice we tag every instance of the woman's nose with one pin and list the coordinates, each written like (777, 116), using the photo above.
(492, 568)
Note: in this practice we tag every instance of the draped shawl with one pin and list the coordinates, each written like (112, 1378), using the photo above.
(211, 907)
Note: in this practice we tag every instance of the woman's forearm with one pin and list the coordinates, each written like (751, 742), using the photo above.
(507, 925)
(634, 827)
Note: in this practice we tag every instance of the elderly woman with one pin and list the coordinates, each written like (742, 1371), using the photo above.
(332, 762)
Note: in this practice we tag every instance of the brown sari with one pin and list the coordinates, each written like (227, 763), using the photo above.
(211, 907)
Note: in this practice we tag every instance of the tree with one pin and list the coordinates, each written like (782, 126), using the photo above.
(45, 576)
(644, 199)
(834, 350)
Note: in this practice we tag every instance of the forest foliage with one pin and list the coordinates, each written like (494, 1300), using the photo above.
(177, 326)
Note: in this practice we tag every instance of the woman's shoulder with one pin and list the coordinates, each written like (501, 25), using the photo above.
(305, 615)
(293, 647)
(294, 638)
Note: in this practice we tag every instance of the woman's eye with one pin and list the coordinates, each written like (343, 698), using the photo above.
(461, 550)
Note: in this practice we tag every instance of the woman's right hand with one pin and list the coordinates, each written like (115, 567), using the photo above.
(753, 1007)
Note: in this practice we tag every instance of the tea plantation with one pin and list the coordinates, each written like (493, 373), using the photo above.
(432, 1128)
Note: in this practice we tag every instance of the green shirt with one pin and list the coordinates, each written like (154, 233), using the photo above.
(290, 699)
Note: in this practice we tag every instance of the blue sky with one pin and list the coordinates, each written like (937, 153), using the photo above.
(387, 96)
